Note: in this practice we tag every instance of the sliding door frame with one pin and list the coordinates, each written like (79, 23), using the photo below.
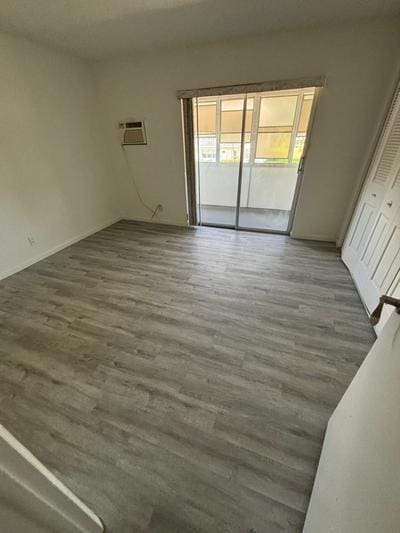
(303, 159)
(190, 160)
(240, 173)
(188, 97)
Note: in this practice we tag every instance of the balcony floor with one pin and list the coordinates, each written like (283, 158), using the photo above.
(268, 219)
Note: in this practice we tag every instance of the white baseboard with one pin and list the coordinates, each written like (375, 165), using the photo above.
(157, 221)
(313, 237)
(57, 248)
(304, 236)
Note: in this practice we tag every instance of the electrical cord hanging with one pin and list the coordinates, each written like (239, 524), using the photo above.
(152, 211)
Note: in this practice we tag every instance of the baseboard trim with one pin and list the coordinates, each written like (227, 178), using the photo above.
(313, 237)
(59, 247)
(376, 328)
(157, 221)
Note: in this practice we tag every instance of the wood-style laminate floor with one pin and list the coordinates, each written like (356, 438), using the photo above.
(180, 380)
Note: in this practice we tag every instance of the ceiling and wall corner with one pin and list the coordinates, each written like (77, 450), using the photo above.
(97, 29)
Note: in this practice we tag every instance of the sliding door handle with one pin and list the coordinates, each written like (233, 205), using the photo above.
(300, 168)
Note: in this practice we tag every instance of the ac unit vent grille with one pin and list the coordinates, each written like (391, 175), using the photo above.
(133, 133)
(391, 138)
(134, 125)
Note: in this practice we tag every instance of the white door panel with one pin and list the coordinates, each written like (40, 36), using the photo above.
(372, 247)
(364, 222)
(389, 264)
(375, 242)
(375, 271)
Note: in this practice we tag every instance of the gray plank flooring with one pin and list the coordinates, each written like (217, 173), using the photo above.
(180, 380)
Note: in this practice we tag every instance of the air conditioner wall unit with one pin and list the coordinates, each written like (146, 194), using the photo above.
(133, 133)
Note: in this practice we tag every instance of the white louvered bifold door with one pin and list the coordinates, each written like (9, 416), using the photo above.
(372, 246)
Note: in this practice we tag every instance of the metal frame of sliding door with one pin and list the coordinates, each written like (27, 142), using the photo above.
(300, 171)
(299, 179)
(237, 226)
(240, 179)
(195, 101)
(240, 173)
(240, 170)
(302, 162)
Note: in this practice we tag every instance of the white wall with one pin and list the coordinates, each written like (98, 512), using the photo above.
(59, 126)
(55, 179)
(357, 486)
(361, 65)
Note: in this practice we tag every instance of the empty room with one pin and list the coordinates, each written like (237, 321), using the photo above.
(199, 266)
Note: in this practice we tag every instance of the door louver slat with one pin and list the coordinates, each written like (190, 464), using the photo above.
(392, 142)
(396, 184)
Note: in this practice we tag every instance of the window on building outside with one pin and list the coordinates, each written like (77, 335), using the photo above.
(231, 129)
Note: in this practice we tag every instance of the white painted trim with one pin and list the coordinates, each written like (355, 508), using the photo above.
(300, 175)
(32, 488)
(30, 458)
(386, 309)
(313, 237)
(157, 221)
(57, 248)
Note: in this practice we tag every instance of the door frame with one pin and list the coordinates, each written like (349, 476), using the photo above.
(239, 90)
(299, 178)
(370, 205)
(303, 159)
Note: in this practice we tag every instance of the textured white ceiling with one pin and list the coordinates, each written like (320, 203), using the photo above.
(98, 29)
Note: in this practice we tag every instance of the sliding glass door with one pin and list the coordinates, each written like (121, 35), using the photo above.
(249, 150)
(218, 144)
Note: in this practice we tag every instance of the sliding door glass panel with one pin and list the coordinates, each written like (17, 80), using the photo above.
(274, 135)
(218, 138)
(278, 126)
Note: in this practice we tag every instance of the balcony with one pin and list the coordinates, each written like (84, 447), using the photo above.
(266, 195)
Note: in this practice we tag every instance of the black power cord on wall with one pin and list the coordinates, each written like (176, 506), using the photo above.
(154, 211)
